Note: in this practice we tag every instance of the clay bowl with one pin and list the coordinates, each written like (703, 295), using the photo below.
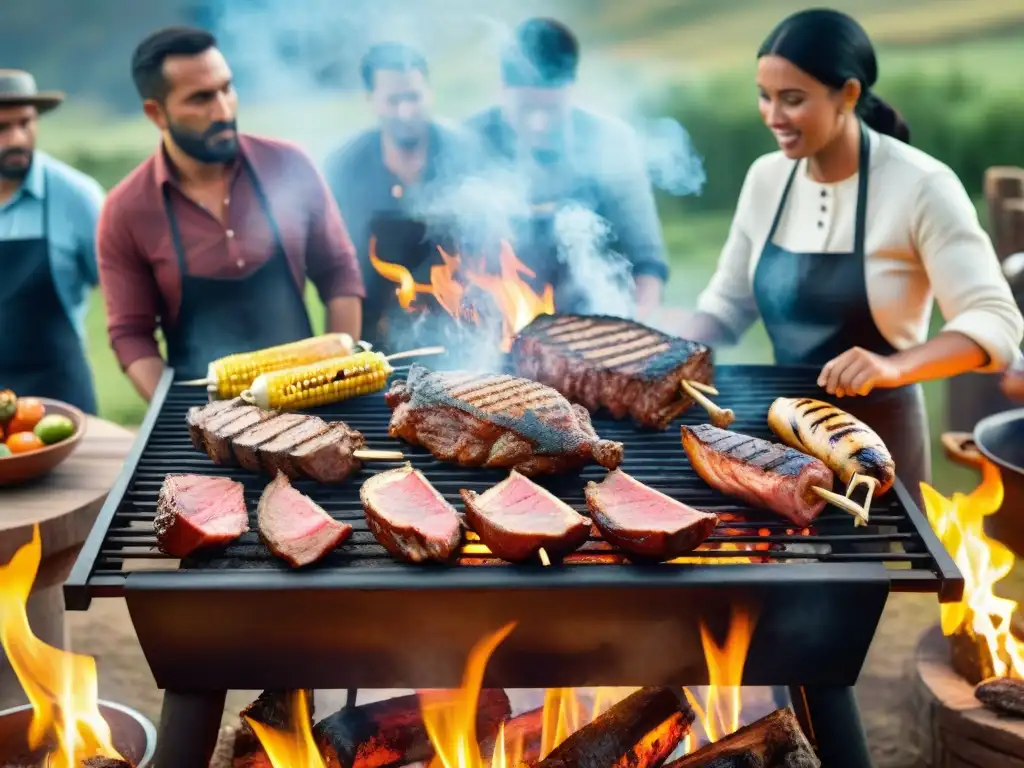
(133, 735)
(23, 467)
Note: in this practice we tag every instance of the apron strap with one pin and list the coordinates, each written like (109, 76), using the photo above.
(264, 202)
(860, 225)
(172, 220)
(782, 203)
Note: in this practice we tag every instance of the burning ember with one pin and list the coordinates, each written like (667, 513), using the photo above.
(513, 297)
(981, 616)
(61, 686)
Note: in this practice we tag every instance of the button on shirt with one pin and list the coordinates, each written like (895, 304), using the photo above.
(73, 201)
(138, 265)
(923, 243)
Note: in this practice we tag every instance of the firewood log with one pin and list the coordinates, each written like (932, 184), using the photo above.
(774, 741)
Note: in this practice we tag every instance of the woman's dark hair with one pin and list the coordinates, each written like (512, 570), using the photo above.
(543, 53)
(832, 47)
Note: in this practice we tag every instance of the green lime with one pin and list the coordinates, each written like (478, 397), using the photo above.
(54, 428)
(4, 451)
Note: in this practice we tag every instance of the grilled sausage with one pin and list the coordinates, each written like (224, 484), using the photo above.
(846, 445)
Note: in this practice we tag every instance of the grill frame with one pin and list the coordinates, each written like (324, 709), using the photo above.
(206, 627)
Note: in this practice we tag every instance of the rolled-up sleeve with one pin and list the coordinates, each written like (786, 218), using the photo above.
(966, 278)
(332, 264)
(729, 296)
(129, 288)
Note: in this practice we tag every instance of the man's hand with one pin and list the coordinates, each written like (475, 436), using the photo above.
(857, 372)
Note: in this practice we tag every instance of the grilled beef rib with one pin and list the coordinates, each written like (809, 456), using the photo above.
(621, 365)
(643, 521)
(495, 421)
(294, 527)
(761, 473)
(409, 518)
(517, 518)
(193, 511)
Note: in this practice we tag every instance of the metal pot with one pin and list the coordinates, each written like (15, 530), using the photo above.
(134, 736)
(998, 439)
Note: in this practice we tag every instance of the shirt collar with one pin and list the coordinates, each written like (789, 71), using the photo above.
(34, 183)
(164, 171)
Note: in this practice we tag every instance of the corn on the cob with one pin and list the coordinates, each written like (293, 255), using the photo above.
(321, 383)
(229, 376)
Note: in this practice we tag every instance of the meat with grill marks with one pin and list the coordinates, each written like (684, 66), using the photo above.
(608, 362)
(761, 473)
(198, 415)
(495, 421)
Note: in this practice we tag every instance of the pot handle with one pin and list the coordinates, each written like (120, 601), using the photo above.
(961, 448)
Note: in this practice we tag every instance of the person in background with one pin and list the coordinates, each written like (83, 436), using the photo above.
(570, 155)
(394, 170)
(48, 214)
(212, 237)
(843, 238)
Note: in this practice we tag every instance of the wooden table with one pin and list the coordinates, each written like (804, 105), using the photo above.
(64, 503)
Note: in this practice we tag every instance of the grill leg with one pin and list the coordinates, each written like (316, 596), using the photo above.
(831, 720)
(189, 726)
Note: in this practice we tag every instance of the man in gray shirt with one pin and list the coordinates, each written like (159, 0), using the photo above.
(570, 156)
(386, 177)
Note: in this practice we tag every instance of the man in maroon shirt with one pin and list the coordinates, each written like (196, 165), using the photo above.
(212, 237)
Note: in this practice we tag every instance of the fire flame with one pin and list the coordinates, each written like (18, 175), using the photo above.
(514, 298)
(294, 748)
(959, 523)
(61, 686)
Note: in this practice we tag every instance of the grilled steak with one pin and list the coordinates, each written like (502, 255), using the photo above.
(760, 473)
(328, 457)
(621, 365)
(294, 527)
(516, 518)
(246, 443)
(218, 438)
(198, 414)
(193, 511)
(495, 421)
(643, 521)
(409, 517)
(274, 455)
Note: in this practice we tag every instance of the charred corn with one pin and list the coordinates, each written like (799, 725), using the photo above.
(229, 376)
(320, 383)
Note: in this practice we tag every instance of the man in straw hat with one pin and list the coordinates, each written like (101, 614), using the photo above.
(48, 215)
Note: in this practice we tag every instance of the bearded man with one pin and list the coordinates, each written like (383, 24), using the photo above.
(212, 238)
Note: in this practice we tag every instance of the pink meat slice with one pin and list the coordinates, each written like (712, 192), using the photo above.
(194, 511)
(294, 527)
(645, 522)
(517, 518)
(409, 518)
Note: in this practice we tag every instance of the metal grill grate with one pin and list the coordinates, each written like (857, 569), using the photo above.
(899, 536)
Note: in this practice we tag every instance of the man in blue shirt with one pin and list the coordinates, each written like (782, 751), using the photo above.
(573, 159)
(388, 180)
(48, 214)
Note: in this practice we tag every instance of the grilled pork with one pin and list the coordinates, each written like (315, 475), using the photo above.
(294, 527)
(328, 457)
(409, 518)
(621, 365)
(517, 518)
(495, 421)
(246, 444)
(198, 414)
(761, 473)
(193, 511)
(846, 445)
(645, 522)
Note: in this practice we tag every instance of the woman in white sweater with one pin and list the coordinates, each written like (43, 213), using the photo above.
(842, 240)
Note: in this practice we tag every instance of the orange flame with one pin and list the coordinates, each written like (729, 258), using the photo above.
(61, 686)
(294, 748)
(959, 523)
(514, 298)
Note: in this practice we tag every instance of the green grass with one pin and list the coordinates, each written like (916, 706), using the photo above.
(693, 243)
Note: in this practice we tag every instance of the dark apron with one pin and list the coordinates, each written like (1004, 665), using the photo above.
(223, 316)
(815, 307)
(49, 360)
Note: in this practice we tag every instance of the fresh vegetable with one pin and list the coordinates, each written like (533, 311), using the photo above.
(8, 405)
(24, 442)
(4, 451)
(53, 428)
(28, 413)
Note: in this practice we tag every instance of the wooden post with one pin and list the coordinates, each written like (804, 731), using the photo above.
(973, 396)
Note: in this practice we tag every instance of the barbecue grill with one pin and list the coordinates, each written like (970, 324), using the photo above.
(239, 618)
